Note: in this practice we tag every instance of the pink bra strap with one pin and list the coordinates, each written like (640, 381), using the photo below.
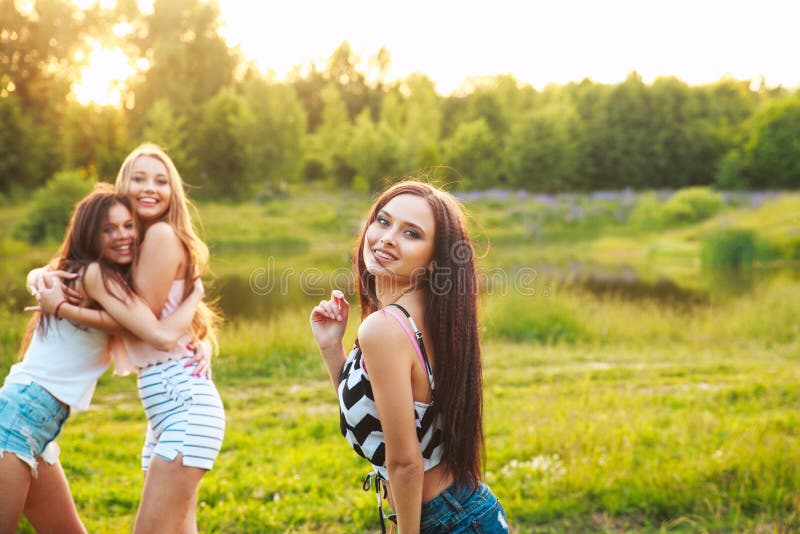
(409, 332)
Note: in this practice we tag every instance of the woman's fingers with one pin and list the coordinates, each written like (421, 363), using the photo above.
(64, 275)
(72, 296)
(334, 309)
(340, 303)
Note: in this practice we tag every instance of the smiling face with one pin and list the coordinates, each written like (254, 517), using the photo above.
(118, 235)
(149, 188)
(399, 241)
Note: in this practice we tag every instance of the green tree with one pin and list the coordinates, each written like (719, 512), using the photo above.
(163, 126)
(772, 148)
(39, 45)
(274, 136)
(473, 154)
(374, 152)
(485, 104)
(629, 134)
(589, 100)
(309, 90)
(93, 138)
(23, 149)
(51, 206)
(343, 72)
(189, 61)
(542, 153)
(219, 150)
(684, 149)
(328, 147)
(423, 122)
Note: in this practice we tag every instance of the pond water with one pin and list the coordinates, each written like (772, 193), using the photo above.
(259, 289)
(258, 284)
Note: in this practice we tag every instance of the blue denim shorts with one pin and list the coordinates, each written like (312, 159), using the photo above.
(464, 509)
(30, 419)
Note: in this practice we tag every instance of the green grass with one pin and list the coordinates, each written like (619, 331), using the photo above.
(603, 412)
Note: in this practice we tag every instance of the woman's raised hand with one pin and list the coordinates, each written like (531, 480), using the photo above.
(329, 320)
(49, 277)
(49, 295)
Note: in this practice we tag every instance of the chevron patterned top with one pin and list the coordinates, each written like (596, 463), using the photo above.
(359, 422)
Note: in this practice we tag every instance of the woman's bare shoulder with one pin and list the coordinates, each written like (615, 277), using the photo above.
(380, 329)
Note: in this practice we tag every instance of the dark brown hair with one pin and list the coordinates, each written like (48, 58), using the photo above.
(82, 246)
(451, 319)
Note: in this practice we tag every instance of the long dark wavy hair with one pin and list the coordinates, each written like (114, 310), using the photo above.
(451, 319)
(82, 246)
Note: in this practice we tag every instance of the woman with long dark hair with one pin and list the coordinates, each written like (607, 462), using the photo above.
(62, 361)
(186, 417)
(410, 392)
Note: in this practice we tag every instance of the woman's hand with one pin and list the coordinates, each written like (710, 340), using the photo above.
(51, 277)
(329, 321)
(49, 295)
(202, 357)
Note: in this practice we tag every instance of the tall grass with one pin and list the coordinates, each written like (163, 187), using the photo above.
(729, 248)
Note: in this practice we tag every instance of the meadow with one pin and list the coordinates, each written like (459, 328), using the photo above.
(628, 388)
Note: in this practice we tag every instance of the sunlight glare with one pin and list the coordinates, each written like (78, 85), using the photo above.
(100, 81)
(25, 7)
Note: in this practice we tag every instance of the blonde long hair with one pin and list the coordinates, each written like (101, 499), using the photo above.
(179, 216)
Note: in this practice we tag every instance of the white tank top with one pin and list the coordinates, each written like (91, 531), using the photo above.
(132, 354)
(66, 361)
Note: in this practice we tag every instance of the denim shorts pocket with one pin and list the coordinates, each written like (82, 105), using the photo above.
(492, 521)
(36, 414)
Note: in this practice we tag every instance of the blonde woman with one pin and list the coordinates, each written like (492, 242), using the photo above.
(186, 419)
(62, 361)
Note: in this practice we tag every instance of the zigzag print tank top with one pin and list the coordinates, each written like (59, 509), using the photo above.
(358, 415)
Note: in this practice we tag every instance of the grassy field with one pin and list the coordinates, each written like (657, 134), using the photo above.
(603, 412)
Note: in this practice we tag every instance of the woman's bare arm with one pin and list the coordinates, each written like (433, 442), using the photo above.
(127, 311)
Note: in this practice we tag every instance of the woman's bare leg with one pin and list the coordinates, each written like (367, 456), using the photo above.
(15, 479)
(50, 507)
(169, 498)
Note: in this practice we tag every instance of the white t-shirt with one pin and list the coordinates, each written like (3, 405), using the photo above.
(66, 361)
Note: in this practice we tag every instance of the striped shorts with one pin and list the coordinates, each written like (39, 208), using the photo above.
(184, 415)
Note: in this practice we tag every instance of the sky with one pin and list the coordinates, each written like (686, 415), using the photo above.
(539, 42)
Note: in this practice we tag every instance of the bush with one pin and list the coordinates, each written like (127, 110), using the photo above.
(52, 205)
(732, 248)
(538, 319)
(690, 205)
(647, 212)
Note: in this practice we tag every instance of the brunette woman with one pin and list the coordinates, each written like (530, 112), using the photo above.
(410, 392)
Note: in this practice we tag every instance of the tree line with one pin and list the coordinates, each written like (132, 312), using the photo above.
(236, 133)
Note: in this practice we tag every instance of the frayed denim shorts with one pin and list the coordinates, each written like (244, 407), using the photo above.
(30, 419)
(461, 509)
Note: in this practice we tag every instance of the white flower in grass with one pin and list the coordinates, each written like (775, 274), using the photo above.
(548, 466)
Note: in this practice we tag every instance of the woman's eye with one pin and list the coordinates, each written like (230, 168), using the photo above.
(412, 234)
(382, 221)
(137, 179)
(163, 182)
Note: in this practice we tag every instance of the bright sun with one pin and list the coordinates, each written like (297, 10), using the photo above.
(101, 80)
